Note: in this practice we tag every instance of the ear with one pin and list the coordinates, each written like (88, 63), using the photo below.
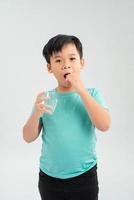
(49, 68)
(82, 62)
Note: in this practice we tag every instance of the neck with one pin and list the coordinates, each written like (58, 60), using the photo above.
(64, 89)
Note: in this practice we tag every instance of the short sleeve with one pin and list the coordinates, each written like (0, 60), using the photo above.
(97, 95)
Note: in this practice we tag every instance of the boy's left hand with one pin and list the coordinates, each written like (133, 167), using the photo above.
(74, 80)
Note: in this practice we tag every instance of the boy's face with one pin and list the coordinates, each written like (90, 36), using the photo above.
(66, 61)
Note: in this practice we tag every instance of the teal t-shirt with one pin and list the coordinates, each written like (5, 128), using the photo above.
(68, 136)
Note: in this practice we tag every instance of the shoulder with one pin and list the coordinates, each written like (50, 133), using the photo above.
(93, 91)
(97, 95)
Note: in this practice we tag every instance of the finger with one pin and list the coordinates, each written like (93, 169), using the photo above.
(44, 109)
(40, 94)
(48, 106)
(48, 111)
(39, 99)
(68, 80)
(44, 95)
(44, 106)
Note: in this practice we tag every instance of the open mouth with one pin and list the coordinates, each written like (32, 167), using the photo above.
(66, 75)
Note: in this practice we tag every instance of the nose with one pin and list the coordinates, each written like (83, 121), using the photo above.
(66, 67)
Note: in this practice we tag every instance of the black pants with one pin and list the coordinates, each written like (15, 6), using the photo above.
(82, 187)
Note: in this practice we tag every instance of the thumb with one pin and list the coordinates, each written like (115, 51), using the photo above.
(68, 81)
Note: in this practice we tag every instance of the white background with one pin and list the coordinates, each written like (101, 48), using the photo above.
(106, 29)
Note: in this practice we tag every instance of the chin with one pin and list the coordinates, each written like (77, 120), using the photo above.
(64, 84)
(67, 85)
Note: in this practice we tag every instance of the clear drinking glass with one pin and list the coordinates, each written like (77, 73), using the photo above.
(52, 101)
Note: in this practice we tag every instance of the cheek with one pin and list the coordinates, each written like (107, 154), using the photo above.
(57, 74)
(77, 66)
(77, 70)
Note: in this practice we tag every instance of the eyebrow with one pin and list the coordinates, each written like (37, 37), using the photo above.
(71, 54)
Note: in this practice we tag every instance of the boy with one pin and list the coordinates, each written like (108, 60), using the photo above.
(68, 161)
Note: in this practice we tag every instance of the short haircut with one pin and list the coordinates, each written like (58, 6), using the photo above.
(56, 43)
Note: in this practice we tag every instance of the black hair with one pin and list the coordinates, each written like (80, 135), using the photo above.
(56, 43)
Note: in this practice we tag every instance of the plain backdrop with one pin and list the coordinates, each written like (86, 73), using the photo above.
(106, 30)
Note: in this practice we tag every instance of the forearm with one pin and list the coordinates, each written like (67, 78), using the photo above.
(31, 128)
(99, 116)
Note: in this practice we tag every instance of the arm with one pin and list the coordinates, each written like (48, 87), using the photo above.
(99, 116)
(32, 128)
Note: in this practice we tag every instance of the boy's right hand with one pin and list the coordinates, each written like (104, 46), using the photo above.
(39, 107)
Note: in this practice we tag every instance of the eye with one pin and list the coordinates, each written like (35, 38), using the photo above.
(58, 60)
(72, 58)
